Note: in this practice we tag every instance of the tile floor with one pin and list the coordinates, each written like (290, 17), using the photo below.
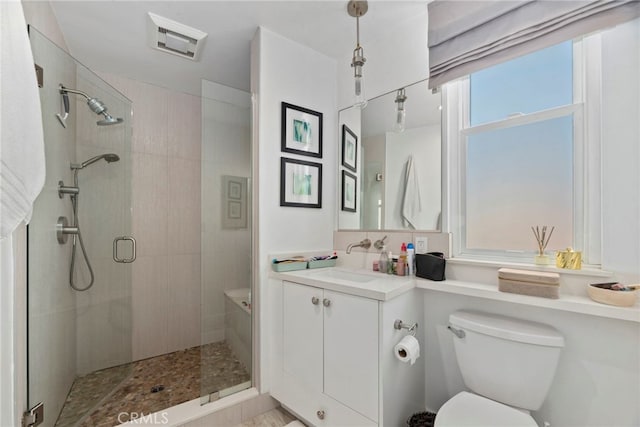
(99, 398)
(277, 417)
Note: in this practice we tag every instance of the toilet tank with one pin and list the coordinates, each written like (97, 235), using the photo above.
(509, 360)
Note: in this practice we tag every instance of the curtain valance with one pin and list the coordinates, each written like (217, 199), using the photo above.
(466, 36)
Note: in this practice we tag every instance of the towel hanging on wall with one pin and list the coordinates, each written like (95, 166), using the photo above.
(411, 201)
(22, 164)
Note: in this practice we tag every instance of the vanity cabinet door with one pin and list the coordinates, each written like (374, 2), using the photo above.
(303, 330)
(351, 352)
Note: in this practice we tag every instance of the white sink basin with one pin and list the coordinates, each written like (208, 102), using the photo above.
(328, 274)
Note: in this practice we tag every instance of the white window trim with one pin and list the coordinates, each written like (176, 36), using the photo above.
(587, 157)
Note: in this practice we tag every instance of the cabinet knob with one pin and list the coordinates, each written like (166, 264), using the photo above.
(315, 300)
(320, 414)
(326, 302)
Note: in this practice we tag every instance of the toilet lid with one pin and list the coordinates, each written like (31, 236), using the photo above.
(468, 409)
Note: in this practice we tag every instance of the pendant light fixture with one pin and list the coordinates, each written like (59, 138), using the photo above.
(356, 9)
(398, 126)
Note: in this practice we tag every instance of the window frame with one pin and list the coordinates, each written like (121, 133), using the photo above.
(586, 157)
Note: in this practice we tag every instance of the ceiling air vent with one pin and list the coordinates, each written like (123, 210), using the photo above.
(175, 38)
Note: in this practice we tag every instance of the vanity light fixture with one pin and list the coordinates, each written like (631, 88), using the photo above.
(356, 9)
(401, 114)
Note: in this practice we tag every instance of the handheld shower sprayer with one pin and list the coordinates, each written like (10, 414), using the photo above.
(94, 104)
(74, 194)
(109, 158)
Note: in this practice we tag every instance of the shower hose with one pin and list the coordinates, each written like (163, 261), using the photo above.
(78, 237)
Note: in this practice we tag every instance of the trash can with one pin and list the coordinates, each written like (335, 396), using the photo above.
(422, 419)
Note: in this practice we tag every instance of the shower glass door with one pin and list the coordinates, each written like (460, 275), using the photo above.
(79, 341)
(226, 351)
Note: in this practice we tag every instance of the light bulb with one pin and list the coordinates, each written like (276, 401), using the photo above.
(360, 100)
(401, 97)
(398, 126)
(357, 62)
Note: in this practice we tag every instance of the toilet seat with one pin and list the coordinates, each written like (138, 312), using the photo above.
(468, 409)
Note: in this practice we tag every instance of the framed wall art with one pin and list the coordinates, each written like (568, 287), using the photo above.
(349, 149)
(301, 131)
(300, 183)
(349, 191)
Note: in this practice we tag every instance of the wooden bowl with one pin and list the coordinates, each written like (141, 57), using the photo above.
(612, 297)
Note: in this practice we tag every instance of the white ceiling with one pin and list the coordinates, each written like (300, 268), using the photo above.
(111, 36)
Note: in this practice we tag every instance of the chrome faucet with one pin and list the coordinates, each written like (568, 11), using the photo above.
(366, 243)
(379, 244)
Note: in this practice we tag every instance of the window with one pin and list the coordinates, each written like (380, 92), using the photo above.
(518, 155)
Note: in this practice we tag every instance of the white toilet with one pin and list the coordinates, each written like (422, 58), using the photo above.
(508, 365)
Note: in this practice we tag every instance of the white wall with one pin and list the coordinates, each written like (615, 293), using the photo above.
(312, 86)
(352, 119)
(621, 151)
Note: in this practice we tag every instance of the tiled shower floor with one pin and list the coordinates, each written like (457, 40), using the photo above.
(92, 403)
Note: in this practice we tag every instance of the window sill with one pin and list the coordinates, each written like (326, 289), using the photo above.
(588, 271)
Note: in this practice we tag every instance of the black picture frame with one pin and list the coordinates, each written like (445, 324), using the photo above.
(349, 192)
(301, 131)
(300, 183)
(349, 149)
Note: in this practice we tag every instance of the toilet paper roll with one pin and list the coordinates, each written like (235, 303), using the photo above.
(408, 349)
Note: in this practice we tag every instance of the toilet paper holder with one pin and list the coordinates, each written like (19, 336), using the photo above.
(399, 324)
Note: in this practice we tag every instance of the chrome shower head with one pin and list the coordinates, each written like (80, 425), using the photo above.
(109, 157)
(109, 120)
(94, 104)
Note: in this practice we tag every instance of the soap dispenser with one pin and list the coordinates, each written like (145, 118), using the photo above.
(384, 261)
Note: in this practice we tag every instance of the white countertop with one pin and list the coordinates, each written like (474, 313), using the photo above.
(572, 303)
(383, 287)
(378, 286)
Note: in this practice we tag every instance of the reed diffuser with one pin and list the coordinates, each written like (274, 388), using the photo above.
(543, 240)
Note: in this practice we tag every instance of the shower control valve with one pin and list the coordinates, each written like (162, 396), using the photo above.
(65, 189)
(63, 229)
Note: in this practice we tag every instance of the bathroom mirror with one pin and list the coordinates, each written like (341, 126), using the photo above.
(398, 172)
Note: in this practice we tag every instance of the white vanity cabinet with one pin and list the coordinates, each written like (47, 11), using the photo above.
(330, 356)
(331, 339)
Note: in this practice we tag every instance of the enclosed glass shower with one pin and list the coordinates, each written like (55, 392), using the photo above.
(81, 250)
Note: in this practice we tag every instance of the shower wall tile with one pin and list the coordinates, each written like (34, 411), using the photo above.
(166, 179)
(104, 335)
(184, 128)
(150, 306)
(150, 113)
(184, 206)
(213, 325)
(184, 307)
(150, 203)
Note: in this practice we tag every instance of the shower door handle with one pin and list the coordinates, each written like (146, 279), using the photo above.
(133, 250)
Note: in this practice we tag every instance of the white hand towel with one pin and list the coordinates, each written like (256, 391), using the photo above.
(22, 165)
(411, 202)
